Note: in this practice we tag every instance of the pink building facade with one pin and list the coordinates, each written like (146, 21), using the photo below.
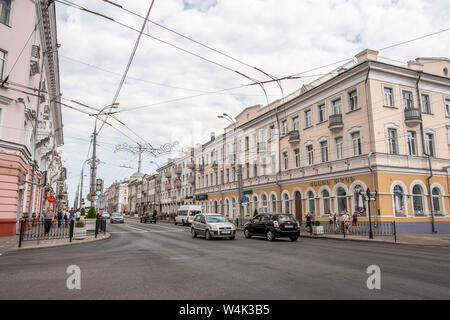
(30, 113)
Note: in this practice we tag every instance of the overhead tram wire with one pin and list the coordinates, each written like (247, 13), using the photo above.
(69, 3)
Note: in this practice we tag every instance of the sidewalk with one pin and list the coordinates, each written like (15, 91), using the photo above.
(12, 243)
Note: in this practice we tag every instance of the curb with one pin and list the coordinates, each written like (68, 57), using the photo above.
(349, 239)
(107, 236)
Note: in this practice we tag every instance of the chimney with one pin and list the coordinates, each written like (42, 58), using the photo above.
(367, 54)
(415, 65)
(213, 136)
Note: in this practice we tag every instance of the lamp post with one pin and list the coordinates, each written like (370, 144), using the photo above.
(241, 211)
(94, 152)
(370, 219)
(159, 186)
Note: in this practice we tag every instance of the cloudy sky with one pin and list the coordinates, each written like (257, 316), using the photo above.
(281, 37)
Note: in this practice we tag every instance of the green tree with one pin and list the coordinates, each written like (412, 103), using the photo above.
(91, 213)
(83, 211)
(255, 213)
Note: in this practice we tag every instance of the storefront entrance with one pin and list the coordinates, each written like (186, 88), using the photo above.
(298, 206)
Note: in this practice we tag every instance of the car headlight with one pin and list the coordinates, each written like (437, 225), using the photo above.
(233, 226)
(213, 227)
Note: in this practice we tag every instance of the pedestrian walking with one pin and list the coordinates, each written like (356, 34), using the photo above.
(59, 216)
(78, 215)
(48, 221)
(66, 218)
(331, 222)
(355, 225)
(345, 221)
(335, 221)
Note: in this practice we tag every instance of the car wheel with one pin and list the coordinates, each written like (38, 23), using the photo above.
(194, 234)
(184, 223)
(293, 238)
(270, 236)
(247, 234)
(207, 235)
(175, 223)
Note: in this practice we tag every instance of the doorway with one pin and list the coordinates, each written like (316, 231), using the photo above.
(298, 207)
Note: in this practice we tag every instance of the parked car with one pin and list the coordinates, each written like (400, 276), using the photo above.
(148, 217)
(212, 225)
(185, 214)
(272, 226)
(116, 217)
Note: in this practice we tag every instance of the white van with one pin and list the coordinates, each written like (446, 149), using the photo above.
(186, 214)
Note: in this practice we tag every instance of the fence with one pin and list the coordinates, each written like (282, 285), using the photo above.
(40, 229)
(363, 228)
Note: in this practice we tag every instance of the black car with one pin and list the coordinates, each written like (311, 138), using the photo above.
(273, 225)
(148, 217)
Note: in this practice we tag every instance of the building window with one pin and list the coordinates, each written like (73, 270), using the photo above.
(359, 200)
(447, 107)
(408, 101)
(272, 132)
(295, 124)
(228, 175)
(337, 106)
(353, 100)
(284, 127)
(426, 107)
(273, 201)
(247, 170)
(263, 203)
(5, 11)
(326, 202)
(339, 148)
(436, 199)
(412, 149)
(311, 202)
(417, 198)
(246, 143)
(2, 63)
(342, 200)
(308, 118)
(297, 158)
(322, 111)
(356, 143)
(273, 163)
(324, 151)
(263, 160)
(285, 160)
(429, 143)
(310, 153)
(399, 201)
(286, 203)
(393, 143)
(388, 97)
(255, 169)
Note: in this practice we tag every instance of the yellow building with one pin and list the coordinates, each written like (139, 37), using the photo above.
(368, 124)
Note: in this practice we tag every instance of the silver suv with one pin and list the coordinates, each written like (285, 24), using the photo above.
(212, 225)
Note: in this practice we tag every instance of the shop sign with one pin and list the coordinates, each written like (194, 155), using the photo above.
(51, 199)
(328, 182)
(202, 197)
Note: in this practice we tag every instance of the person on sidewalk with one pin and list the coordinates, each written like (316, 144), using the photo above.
(355, 225)
(331, 223)
(66, 218)
(48, 221)
(345, 221)
(308, 221)
(59, 216)
(78, 215)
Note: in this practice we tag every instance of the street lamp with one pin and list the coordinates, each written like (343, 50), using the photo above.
(94, 150)
(159, 186)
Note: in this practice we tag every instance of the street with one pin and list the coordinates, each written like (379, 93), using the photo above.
(163, 261)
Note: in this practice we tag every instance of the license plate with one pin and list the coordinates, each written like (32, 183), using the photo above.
(288, 226)
(226, 232)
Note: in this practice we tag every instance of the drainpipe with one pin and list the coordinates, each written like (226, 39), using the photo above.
(433, 226)
(372, 173)
(279, 161)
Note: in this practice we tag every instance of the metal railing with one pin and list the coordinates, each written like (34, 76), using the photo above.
(100, 226)
(385, 228)
(39, 229)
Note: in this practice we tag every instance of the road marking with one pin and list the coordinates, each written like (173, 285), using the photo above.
(149, 231)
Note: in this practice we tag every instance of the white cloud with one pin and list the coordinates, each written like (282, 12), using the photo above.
(281, 37)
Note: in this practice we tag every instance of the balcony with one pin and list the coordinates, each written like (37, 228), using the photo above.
(214, 165)
(412, 117)
(177, 183)
(178, 170)
(335, 122)
(168, 174)
(168, 186)
(294, 137)
(191, 165)
(191, 180)
(201, 167)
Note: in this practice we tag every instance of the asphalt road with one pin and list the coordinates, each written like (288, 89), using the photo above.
(163, 261)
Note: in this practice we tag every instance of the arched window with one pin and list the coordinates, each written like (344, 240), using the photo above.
(286, 206)
(341, 200)
(436, 197)
(359, 200)
(263, 203)
(399, 201)
(233, 208)
(326, 202)
(311, 202)
(417, 197)
(273, 201)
